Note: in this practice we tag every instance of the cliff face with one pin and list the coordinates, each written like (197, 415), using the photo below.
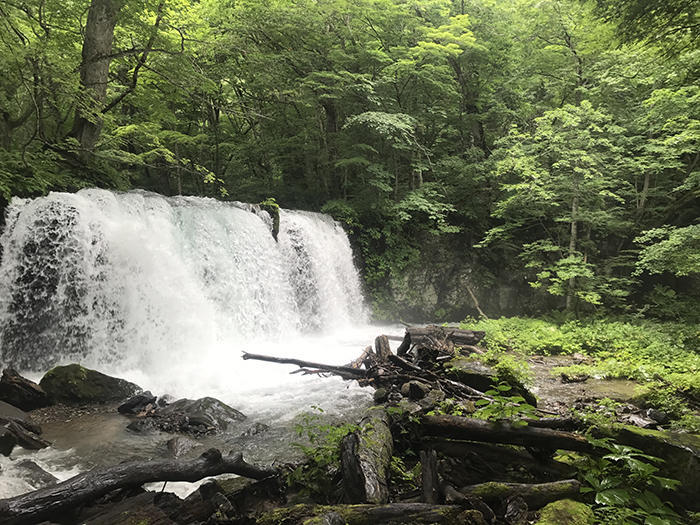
(446, 279)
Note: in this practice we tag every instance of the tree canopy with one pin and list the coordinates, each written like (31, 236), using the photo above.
(552, 141)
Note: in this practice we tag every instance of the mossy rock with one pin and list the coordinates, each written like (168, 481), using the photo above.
(474, 373)
(75, 384)
(566, 512)
(273, 209)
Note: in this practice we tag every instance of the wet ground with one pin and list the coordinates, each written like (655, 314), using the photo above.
(556, 395)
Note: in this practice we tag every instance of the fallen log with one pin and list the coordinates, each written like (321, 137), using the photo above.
(452, 496)
(441, 338)
(365, 458)
(50, 502)
(471, 462)
(536, 495)
(470, 429)
(347, 372)
(414, 513)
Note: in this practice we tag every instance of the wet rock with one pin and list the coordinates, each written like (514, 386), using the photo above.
(25, 438)
(205, 412)
(394, 397)
(165, 400)
(17, 428)
(8, 440)
(21, 392)
(138, 404)
(434, 397)
(180, 445)
(198, 417)
(75, 384)
(144, 425)
(8, 411)
(254, 430)
(36, 476)
(414, 390)
(380, 395)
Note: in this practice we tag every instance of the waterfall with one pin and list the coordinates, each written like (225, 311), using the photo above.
(138, 283)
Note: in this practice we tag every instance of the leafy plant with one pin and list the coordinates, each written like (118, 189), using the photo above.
(624, 485)
(317, 476)
(511, 408)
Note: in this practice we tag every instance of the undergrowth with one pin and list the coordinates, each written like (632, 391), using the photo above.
(664, 357)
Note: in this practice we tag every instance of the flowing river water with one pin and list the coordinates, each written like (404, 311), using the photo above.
(167, 293)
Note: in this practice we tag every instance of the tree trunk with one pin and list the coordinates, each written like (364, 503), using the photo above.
(572, 248)
(415, 513)
(535, 495)
(365, 457)
(50, 502)
(455, 427)
(94, 71)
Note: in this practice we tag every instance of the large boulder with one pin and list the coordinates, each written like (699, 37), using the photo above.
(74, 384)
(21, 392)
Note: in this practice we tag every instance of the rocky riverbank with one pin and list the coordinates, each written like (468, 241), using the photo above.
(452, 439)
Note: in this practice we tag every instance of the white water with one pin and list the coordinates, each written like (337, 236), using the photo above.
(168, 292)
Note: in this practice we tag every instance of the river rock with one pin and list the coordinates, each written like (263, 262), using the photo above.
(21, 392)
(255, 429)
(8, 411)
(180, 445)
(74, 384)
(8, 440)
(36, 476)
(17, 428)
(415, 390)
(206, 411)
(138, 404)
(200, 416)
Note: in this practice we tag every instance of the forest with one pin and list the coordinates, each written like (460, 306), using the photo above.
(547, 149)
(523, 174)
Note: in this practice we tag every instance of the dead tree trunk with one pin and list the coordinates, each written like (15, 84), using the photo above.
(455, 427)
(365, 458)
(416, 513)
(535, 495)
(441, 338)
(429, 476)
(347, 372)
(50, 502)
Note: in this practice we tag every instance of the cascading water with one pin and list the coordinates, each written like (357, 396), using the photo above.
(167, 292)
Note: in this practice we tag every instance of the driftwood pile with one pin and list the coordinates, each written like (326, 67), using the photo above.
(452, 450)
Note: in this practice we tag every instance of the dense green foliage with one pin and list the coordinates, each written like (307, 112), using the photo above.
(559, 136)
(663, 357)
